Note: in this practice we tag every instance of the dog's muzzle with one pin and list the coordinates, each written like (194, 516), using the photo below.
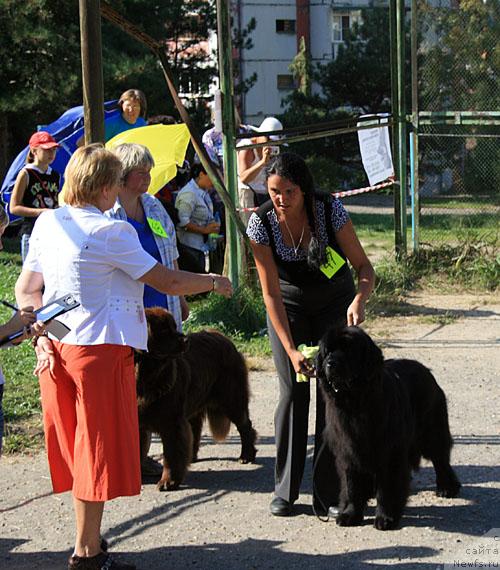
(330, 377)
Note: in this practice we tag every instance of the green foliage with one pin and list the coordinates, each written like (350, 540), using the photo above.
(21, 394)
(461, 67)
(41, 64)
(330, 176)
(360, 76)
(357, 81)
(301, 69)
(243, 314)
(41, 71)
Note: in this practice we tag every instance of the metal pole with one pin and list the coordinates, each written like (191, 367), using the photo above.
(92, 79)
(395, 130)
(401, 119)
(228, 130)
(415, 190)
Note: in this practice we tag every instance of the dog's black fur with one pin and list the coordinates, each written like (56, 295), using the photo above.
(180, 381)
(382, 417)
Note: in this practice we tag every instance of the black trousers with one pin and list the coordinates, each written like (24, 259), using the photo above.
(191, 259)
(308, 322)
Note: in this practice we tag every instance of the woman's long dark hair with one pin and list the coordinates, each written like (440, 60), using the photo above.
(294, 168)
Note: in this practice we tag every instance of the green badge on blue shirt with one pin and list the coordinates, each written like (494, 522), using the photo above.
(157, 228)
(333, 262)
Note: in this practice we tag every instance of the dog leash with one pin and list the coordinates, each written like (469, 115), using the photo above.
(322, 518)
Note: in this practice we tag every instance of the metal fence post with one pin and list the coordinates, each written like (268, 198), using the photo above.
(228, 129)
(414, 180)
(401, 126)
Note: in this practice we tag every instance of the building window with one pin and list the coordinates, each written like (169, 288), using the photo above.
(341, 26)
(285, 82)
(285, 26)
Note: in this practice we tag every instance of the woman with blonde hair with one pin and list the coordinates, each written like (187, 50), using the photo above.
(87, 380)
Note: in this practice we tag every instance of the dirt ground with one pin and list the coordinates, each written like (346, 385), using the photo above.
(220, 517)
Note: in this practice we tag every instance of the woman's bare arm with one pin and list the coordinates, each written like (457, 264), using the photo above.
(269, 281)
(353, 250)
(16, 200)
(175, 282)
(248, 171)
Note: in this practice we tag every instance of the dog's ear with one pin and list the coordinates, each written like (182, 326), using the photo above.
(373, 357)
(326, 345)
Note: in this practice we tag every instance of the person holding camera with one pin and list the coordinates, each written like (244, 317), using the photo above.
(196, 220)
(252, 162)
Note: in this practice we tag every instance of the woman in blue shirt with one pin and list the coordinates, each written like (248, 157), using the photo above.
(153, 225)
(132, 104)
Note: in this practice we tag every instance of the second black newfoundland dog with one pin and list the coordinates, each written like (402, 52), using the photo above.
(182, 380)
(382, 417)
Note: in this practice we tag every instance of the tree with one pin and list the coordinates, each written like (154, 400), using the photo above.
(40, 72)
(41, 68)
(301, 69)
(357, 81)
(459, 70)
(459, 56)
(360, 76)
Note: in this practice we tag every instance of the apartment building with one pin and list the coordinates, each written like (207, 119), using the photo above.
(279, 26)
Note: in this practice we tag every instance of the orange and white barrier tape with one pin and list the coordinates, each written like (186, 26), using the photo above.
(342, 194)
(362, 190)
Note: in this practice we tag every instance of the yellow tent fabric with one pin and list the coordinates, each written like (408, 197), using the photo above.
(167, 144)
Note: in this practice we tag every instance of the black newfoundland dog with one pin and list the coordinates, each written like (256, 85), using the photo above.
(382, 417)
(182, 380)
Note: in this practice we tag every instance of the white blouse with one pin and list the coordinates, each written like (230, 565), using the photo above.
(98, 260)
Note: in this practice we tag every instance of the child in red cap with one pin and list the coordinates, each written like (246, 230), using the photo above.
(37, 185)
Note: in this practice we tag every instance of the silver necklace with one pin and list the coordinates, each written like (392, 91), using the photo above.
(295, 247)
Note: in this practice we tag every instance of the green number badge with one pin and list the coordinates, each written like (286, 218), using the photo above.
(157, 228)
(333, 262)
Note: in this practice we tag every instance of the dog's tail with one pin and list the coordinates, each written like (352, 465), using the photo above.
(219, 424)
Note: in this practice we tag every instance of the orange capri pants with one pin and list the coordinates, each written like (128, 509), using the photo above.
(90, 420)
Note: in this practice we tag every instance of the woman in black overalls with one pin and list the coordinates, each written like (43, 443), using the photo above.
(301, 240)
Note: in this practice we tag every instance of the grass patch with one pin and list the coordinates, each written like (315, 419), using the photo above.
(21, 401)
(446, 318)
(458, 203)
(471, 266)
(242, 318)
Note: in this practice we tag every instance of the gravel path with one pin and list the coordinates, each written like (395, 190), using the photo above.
(220, 517)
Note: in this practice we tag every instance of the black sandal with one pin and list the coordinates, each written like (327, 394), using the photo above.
(101, 561)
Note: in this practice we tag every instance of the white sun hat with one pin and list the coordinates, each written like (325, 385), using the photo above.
(270, 124)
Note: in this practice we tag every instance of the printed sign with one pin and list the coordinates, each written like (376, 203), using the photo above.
(375, 148)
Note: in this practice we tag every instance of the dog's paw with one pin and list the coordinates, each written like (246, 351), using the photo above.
(248, 457)
(384, 522)
(167, 485)
(450, 491)
(347, 518)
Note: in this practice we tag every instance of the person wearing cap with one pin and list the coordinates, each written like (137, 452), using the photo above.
(37, 185)
(252, 162)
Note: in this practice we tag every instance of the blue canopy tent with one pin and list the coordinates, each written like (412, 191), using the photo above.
(67, 129)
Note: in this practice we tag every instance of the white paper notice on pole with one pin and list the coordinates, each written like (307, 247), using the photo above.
(375, 147)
